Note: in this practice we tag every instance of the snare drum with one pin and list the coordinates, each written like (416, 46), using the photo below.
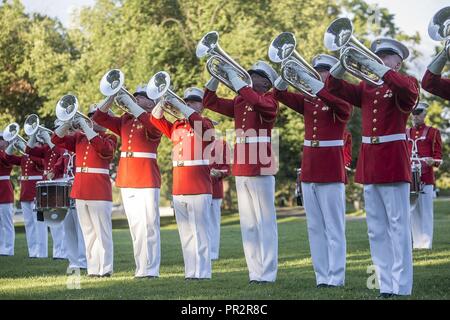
(53, 194)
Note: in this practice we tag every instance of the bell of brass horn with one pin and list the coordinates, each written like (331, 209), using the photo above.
(159, 88)
(11, 135)
(31, 126)
(439, 27)
(282, 50)
(67, 110)
(113, 83)
(339, 36)
(209, 47)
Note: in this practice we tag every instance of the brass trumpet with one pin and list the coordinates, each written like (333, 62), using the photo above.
(67, 111)
(112, 83)
(12, 136)
(439, 28)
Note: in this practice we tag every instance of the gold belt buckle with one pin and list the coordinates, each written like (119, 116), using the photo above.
(84, 169)
(180, 163)
(315, 143)
(129, 154)
(374, 140)
(240, 139)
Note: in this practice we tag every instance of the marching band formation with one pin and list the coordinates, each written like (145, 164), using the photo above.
(65, 173)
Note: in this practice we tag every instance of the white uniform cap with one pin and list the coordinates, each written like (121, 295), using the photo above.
(194, 94)
(388, 44)
(264, 69)
(324, 61)
(422, 106)
(142, 87)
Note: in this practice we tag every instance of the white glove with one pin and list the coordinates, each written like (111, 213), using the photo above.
(126, 100)
(63, 129)
(32, 141)
(88, 131)
(377, 68)
(158, 111)
(10, 149)
(280, 84)
(216, 173)
(337, 71)
(313, 83)
(184, 109)
(438, 63)
(46, 137)
(212, 84)
(236, 82)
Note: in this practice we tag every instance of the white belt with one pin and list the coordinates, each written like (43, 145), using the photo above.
(252, 139)
(190, 163)
(5, 177)
(130, 154)
(382, 139)
(323, 143)
(25, 178)
(92, 170)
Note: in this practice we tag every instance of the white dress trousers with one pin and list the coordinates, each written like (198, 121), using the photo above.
(36, 231)
(256, 202)
(325, 214)
(7, 233)
(214, 229)
(96, 225)
(57, 232)
(389, 228)
(422, 219)
(192, 215)
(74, 241)
(142, 209)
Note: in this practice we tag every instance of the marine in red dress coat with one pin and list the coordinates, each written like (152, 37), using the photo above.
(433, 81)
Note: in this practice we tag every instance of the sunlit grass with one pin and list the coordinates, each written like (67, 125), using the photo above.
(23, 278)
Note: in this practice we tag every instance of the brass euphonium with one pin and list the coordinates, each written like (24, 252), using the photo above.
(32, 126)
(282, 50)
(11, 135)
(158, 88)
(439, 28)
(339, 36)
(112, 83)
(67, 111)
(209, 46)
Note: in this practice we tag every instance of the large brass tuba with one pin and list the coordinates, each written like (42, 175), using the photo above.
(31, 126)
(339, 36)
(158, 88)
(439, 28)
(67, 111)
(112, 83)
(11, 135)
(282, 50)
(209, 46)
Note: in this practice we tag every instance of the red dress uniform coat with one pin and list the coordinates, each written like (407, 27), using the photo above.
(325, 119)
(49, 156)
(134, 172)
(347, 148)
(255, 112)
(30, 166)
(385, 110)
(436, 85)
(6, 187)
(220, 161)
(97, 153)
(430, 147)
(188, 144)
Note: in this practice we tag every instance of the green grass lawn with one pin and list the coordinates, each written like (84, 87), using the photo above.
(23, 278)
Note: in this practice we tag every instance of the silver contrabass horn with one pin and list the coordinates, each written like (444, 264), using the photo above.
(339, 36)
(209, 46)
(31, 126)
(112, 83)
(282, 50)
(11, 135)
(439, 28)
(159, 88)
(67, 111)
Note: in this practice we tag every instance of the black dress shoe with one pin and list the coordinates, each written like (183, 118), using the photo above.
(146, 277)
(253, 282)
(322, 285)
(58, 258)
(106, 275)
(93, 275)
(385, 295)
